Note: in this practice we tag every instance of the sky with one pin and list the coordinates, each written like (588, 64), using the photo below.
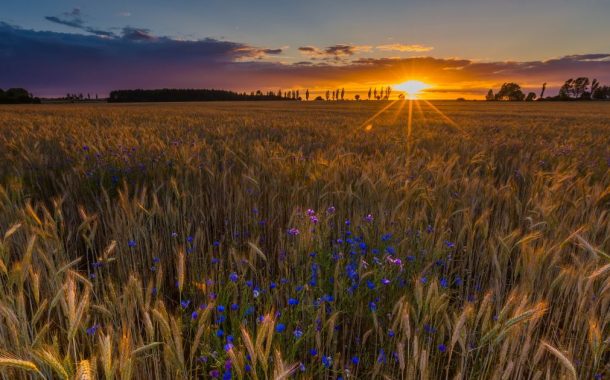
(460, 47)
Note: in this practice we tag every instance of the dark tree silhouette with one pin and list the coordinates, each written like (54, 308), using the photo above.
(490, 95)
(307, 94)
(342, 93)
(530, 97)
(543, 89)
(510, 91)
(187, 95)
(17, 96)
(357, 97)
(594, 86)
(327, 95)
(601, 93)
(369, 95)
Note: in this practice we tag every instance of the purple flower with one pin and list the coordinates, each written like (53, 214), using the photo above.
(310, 212)
(293, 231)
(368, 218)
(233, 277)
(91, 330)
(442, 348)
(314, 219)
(297, 333)
(443, 282)
(185, 303)
(331, 210)
(385, 281)
(131, 243)
(194, 315)
(215, 373)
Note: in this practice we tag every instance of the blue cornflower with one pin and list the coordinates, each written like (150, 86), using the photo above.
(313, 352)
(297, 333)
(234, 307)
(327, 361)
(373, 306)
(293, 301)
(442, 348)
(370, 284)
(185, 303)
(220, 308)
(280, 328)
(443, 282)
(131, 243)
(91, 330)
(423, 280)
(194, 315)
(219, 333)
(233, 277)
(385, 281)
(355, 360)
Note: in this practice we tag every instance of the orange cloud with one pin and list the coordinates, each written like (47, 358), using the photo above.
(404, 48)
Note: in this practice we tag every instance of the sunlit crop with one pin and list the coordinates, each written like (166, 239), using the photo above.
(264, 241)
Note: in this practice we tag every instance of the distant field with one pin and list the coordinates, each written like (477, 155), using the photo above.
(260, 239)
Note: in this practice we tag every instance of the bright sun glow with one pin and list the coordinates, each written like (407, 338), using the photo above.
(412, 88)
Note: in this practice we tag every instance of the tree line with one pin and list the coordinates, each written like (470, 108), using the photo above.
(17, 96)
(580, 88)
(187, 95)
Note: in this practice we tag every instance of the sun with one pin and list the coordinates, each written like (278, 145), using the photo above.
(412, 88)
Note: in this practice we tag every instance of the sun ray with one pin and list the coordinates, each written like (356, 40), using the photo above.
(447, 118)
(421, 113)
(398, 111)
(366, 123)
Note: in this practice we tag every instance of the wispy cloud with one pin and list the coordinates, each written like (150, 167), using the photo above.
(404, 48)
(74, 19)
(334, 52)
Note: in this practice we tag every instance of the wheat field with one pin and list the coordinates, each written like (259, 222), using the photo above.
(275, 240)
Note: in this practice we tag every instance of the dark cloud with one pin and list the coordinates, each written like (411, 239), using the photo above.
(337, 50)
(334, 52)
(271, 51)
(51, 63)
(137, 34)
